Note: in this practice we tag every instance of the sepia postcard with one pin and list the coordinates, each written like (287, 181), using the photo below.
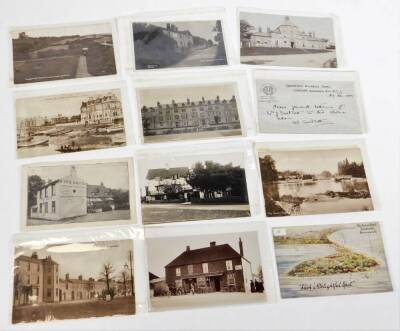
(178, 44)
(73, 281)
(63, 52)
(335, 259)
(290, 41)
(188, 113)
(77, 193)
(193, 187)
(314, 181)
(71, 122)
(204, 270)
(308, 106)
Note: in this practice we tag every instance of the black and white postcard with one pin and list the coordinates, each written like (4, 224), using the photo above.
(63, 52)
(314, 180)
(193, 187)
(295, 104)
(290, 41)
(178, 44)
(189, 112)
(334, 259)
(204, 270)
(77, 193)
(72, 280)
(69, 122)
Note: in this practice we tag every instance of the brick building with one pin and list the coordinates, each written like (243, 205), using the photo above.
(102, 110)
(210, 269)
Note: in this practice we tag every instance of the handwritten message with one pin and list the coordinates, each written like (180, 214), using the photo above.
(335, 285)
(307, 107)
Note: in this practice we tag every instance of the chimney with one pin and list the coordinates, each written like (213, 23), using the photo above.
(241, 247)
(187, 248)
(212, 244)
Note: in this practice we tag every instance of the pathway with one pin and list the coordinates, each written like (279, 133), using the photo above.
(82, 70)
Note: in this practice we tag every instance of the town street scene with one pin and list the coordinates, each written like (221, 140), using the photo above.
(178, 44)
(205, 270)
(328, 260)
(78, 193)
(67, 123)
(292, 41)
(193, 187)
(181, 112)
(72, 281)
(314, 181)
(66, 52)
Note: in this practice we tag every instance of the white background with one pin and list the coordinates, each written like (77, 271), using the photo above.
(371, 46)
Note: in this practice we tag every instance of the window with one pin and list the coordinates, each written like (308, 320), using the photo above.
(231, 279)
(229, 265)
(29, 280)
(29, 266)
(38, 280)
(190, 269)
(205, 268)
(178, 271)
(40, 194)
(41, 208)
(49, 292)
(49, 280)
(53, 191)
(56, 291)
(45, 192)
(38, 267)
(46, 207)
(53, 207)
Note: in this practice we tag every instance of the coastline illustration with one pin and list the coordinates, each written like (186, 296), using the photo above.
(331, 260)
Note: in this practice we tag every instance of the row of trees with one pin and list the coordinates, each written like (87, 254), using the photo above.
(353, 169)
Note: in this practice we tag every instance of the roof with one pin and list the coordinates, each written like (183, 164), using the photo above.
(167, 173)
(207, 254)
(152, 276)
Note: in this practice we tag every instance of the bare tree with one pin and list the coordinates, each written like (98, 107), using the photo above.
(107, 274)
(124, 277)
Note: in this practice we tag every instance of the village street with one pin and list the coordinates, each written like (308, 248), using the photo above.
(204, 300)
(320, 60)
(205, 56)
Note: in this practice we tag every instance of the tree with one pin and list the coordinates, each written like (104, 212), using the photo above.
(260, 274)
(35, 183)
(268, 169)
(107, 275)
(245, 29)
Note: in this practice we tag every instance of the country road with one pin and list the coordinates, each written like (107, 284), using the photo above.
(206, 56)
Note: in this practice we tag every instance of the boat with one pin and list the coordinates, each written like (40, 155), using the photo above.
(33, 142)
(59, 132)
(340, 178)
(115, 129)
(69, 149)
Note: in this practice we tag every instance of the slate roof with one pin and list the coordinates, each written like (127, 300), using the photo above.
(207, 254)
(167, 173)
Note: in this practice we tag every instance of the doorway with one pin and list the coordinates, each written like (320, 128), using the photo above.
(292, 44)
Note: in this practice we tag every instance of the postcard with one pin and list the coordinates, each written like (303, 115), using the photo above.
(63, 52)
(193, 187)
(290, 41)
(70, 122)
(78, 193)
(204, 270)
(188, 113)
(73, 281)
(178, 44)
(314, 181)
(335, 259)
(308, 106)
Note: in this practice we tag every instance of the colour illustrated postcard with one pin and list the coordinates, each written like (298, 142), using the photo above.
(290, 41)
(308, 106)
(63, 52)
(319, 180)
(178, 44)
(205, 270)
(73, 280)
(335, 259)
(189, 112)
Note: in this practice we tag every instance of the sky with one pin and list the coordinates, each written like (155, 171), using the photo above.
(202, 29)
(186, 161)
(322, 26)
(61, 31)
(313, 161)
(84, 259)
(114, 175)
(52, 105)
(149, 97)
(158, 256)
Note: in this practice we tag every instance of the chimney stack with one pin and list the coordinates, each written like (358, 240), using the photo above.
(212, 244)
(241, 247)
(187, 248)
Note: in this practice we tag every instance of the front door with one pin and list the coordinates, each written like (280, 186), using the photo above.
(217, 284)
(60, 295)
(292, 44)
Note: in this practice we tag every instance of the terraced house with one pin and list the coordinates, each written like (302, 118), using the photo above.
(101, 110)
(190, 116)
